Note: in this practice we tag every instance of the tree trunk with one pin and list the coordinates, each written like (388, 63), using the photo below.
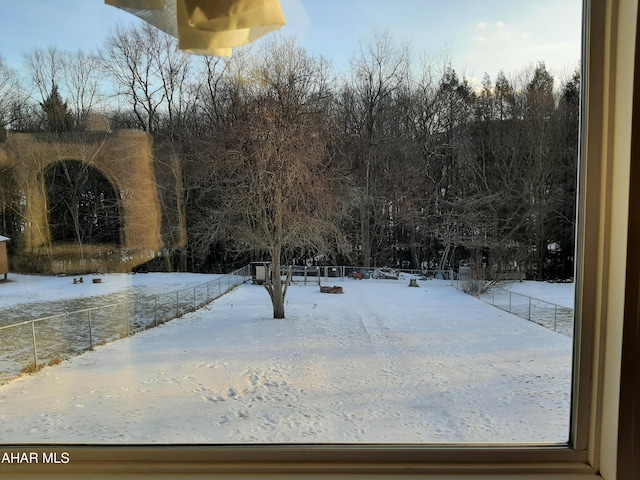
(277, 288)
(444, 259)
(365, 237)
(415, 257)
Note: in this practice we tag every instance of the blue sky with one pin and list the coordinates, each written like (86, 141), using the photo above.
(477, 35)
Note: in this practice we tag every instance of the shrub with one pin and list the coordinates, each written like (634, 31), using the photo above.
(476, 286)
(55, 361)
(31, 368)
(476, 282)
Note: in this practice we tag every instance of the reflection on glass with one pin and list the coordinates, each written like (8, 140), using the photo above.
(367, 241)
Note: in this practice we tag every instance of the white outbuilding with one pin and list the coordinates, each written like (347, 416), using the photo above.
(4, 260)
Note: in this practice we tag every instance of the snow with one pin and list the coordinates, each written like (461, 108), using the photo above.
(548, 304)
(20, 289)
(559, 293)
(29, 297)
(380, 363)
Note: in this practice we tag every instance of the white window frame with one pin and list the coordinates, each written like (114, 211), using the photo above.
(608, 73)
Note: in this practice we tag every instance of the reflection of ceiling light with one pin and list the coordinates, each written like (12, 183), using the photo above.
(208, 27)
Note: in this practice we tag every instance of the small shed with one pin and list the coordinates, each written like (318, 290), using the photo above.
(4, 260)
(259, 272)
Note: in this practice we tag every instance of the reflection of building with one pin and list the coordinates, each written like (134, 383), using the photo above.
(4, 261)
(65, 228)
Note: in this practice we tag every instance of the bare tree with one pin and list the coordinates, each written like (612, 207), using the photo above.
(173, 69)
(76, 75)
(81, 79)
(542, 166)
(453, 196)
(10, 94)
(276, 191)
(148, 71)
(379, 71)
(44, 67)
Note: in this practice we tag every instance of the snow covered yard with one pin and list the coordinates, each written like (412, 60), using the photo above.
(381, 363)
(73, 314)
(548, 304)
(559, 293)
(29, 297)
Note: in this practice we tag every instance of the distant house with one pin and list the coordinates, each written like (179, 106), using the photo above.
(4, 260)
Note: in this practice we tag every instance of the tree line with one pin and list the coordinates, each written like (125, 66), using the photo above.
(393, 162)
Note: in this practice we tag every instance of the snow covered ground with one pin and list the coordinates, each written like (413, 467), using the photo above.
(29, 297)
(559, 293)
(548, 304)
(21, 289)
(381, 363)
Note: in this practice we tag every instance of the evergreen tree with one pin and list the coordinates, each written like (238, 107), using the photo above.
(59, 119)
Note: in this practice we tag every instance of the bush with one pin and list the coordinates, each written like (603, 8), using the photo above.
(31, 368)
(476, 286)
(55, 361)
(476, 282)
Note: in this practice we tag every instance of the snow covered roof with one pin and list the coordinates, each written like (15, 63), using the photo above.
(4, 239)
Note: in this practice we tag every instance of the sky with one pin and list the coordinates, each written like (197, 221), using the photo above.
(477, 36)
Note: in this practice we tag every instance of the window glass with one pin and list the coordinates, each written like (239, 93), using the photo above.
(360, 229)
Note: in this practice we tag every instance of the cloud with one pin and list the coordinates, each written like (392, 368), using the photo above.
(495, 32)
(552, 47)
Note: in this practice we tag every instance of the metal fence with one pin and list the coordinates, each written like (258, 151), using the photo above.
(547, 314)
(25, 347)
(317, 274)
(550, 315)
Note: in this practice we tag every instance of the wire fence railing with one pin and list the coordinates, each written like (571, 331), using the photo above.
(28, 346)
(555, 317)
(550, 315)
(325, 273)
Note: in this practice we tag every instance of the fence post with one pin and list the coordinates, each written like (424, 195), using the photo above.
(35, 348)
(90, 334)
(155, 310)
(114, 313)
(124, 317)
(529, 308)
(509, 302)
(194, 298)
(177, 303)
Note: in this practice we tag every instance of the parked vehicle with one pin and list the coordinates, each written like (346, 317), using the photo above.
(385, 273)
